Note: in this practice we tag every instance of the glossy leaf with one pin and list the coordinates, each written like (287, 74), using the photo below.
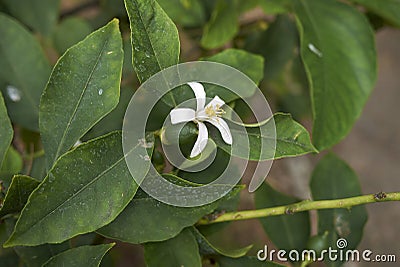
(292, 139)
(388, 9)
(17, 194)
(340, 65)
(285, 231)
(222, 26)
(181, 250)
(84, 256)
(6, 130)
(155, 221)
(245, 261)
(69, 32)
(85, 190)
(332, 178)
(206, 248)
(155, 40)
(41, 15)
(83, 88)
(188, 13)
(25, 71)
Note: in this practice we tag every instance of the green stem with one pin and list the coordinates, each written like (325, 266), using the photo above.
(306, 263)
(301, 206)
(35, 155)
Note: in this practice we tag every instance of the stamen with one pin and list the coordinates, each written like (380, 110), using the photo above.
(216, 111)
(210, 111)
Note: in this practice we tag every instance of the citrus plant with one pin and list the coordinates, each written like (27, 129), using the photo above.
(68, 74)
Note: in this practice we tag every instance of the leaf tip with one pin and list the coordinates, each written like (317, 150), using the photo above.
(115, 21)
(10, 242)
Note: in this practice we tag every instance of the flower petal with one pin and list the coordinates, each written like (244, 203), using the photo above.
(223, 129)
(200, 94)
(201, 141)
(216, 101)
(179, 115)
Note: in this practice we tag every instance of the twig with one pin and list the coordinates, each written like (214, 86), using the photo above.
(302, 206)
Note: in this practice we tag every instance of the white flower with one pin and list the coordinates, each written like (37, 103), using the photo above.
(211, 113)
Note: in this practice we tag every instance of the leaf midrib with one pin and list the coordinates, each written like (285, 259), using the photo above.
(151, 45)
(286, 140)
(95, 179)
(61, 143)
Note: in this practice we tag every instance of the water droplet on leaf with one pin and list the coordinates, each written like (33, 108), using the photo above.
(14, 93)
(314, 50)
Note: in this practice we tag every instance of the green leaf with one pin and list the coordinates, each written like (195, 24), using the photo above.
(17, 194)
(37, 256)
(181, 250)
(86, 189)
(275, 6)
(206, 248)
(113, 121)
(34, 256)
(292, 139)
(222, 26)
(332, 178)
(188, 13)
(155, 40)
(250, 64)
(285, 231)
(388, 9)
(128, 74)
(152, 220)
(277, 45)
(83, 88)
(245, 261)
(84, 256)
(41, 15)
(216, 168)
(340, 65)
(6, 130)
(24, 69)
(70, 31)
(244, 6)
(12, 164)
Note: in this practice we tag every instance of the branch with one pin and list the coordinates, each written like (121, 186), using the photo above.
(300, 206)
